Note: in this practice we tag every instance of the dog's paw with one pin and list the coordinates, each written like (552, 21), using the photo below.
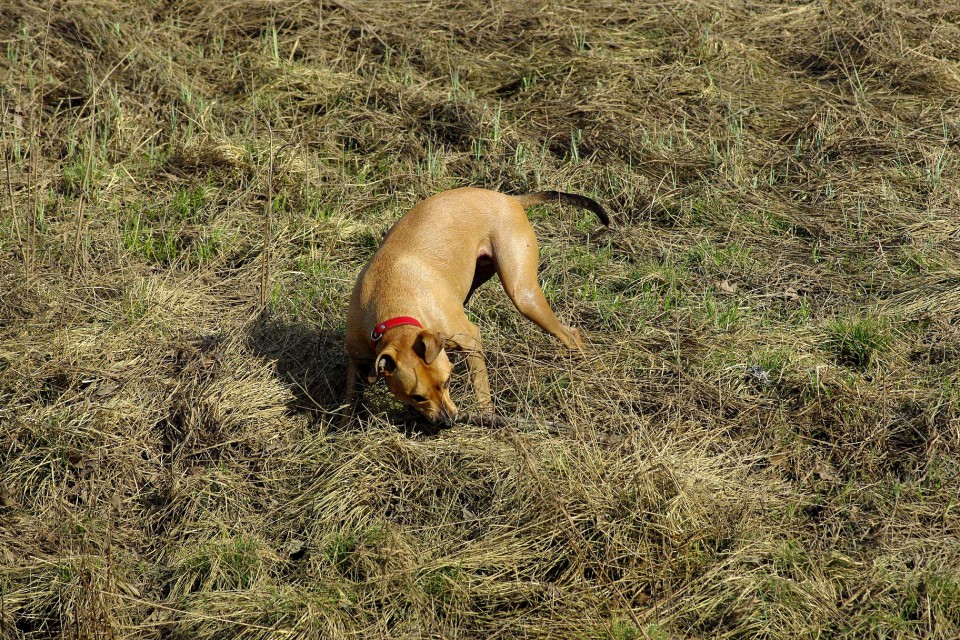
(574, 338)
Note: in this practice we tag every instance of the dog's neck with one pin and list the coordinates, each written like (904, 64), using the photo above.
(390, 325)
(401, 337)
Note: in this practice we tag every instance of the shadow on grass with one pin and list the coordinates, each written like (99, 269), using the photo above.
(311, 361)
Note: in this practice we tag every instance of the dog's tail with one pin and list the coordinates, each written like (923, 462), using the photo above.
(546, 197)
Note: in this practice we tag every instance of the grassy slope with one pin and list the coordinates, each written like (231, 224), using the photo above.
(762, 442)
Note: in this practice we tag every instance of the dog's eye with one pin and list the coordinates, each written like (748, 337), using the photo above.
(417, 398)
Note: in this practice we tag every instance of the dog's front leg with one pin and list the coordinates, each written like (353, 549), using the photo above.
(467, 339)
(352, 394)
(479, 379)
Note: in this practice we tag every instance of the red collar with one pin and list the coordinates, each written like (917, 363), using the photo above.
(386, 325)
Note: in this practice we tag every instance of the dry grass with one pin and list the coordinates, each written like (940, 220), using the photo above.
(763, 441)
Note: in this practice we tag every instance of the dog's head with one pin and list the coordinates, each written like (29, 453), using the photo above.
(417, 372)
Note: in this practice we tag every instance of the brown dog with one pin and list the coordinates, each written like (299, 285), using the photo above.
(407, 305)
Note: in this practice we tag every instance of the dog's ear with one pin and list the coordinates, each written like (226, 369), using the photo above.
(428, 345)
(385, 365)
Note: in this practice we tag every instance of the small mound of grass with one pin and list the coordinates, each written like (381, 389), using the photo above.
(859, 341)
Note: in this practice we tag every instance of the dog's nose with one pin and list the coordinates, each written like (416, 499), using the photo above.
(447, 418)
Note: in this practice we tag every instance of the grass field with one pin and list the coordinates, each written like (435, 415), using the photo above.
(762, 441)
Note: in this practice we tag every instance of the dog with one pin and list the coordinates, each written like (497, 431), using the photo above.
(407, 306)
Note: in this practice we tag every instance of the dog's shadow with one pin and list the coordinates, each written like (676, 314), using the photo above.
(309, 360)
(314, 365)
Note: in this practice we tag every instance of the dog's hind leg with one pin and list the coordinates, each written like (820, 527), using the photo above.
(517, 267)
